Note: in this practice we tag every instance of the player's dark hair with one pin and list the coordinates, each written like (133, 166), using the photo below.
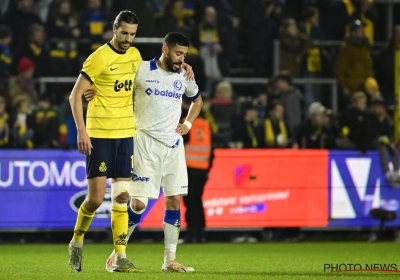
(175, 38)
(126, 16)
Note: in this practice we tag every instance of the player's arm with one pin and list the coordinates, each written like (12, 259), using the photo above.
(194, 111)
(75, 99)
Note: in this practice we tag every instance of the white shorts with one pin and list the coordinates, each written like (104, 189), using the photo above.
(156, 165)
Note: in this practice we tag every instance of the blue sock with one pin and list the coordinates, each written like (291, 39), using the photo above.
(134, 218)
(173, 217)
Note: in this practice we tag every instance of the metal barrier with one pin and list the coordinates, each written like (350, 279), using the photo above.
(306, 81)
(235, 81)
(277, 46)
(53, 80)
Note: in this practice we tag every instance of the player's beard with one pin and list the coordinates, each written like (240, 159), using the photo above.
(121, 45)
(170, 64)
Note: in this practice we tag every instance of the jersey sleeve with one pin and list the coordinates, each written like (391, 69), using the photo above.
(93, 67)
(138, 63)
(138, 76)
(138, 56)
(192, 90)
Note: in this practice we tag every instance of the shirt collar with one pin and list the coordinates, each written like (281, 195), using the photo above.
(153, 64)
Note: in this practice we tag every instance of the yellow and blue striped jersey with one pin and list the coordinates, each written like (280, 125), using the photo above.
(112, 73)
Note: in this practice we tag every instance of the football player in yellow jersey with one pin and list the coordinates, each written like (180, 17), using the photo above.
(107, 138)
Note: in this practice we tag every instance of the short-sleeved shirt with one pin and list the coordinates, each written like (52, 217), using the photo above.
(158, 101)
(112, 73)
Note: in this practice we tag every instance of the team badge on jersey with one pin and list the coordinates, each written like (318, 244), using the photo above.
(177, 85)
(103, 167)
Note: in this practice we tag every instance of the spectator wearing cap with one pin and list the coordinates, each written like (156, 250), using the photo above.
(23, 84)
(49, 126)
(358, 125)
(372, 88)
(366, 11)
(276, 133)
(313, 133)
(5, 52)
(385, 142)
(248, 132)
(353, 63)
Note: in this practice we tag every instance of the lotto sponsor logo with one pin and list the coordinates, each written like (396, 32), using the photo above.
(127, 85)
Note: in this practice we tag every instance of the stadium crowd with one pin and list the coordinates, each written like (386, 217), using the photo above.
(51, 38)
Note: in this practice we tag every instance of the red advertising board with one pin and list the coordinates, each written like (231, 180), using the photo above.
(262, 188)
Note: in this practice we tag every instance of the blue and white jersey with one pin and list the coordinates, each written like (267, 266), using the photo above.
(158, 101)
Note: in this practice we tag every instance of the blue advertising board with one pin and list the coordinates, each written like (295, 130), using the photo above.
(44, 189)
(358, 184)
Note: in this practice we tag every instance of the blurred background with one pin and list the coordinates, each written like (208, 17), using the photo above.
(301, 97)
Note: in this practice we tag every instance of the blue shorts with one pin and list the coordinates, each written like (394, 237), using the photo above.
(112, 158)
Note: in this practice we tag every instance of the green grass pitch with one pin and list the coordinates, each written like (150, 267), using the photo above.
(211, 261)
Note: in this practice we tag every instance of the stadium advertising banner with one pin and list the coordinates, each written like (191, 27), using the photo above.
(246, 188)
(263, 188)
(44, 189)
(358, 184)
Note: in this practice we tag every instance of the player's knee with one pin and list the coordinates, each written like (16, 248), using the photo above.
(139, 204)
(120, 193)
(91, 204)
(122, 198)
(173, 202)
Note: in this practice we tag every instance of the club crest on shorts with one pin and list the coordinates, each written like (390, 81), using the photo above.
(103, 167)
(177, 85)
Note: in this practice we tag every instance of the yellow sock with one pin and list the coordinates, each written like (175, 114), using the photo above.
(119, 226)
(82, 223)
